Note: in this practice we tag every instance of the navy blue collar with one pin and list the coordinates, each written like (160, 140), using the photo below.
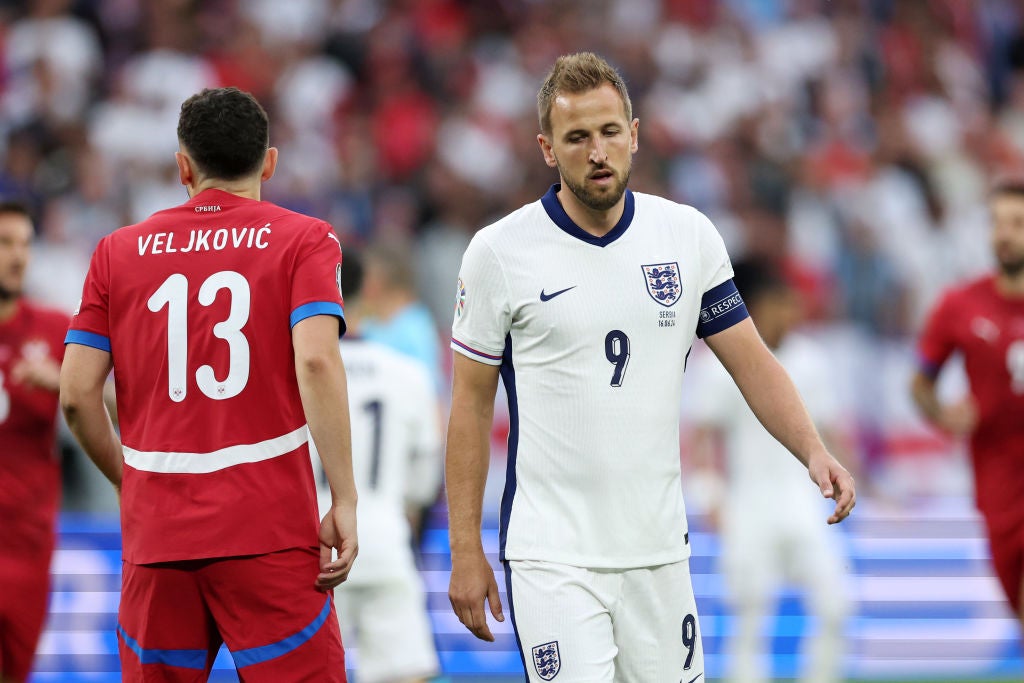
(557, 214)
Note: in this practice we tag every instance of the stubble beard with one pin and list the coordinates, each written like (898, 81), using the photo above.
(9, 293)
(1012, 269)
(1009, 259)
(596, 201)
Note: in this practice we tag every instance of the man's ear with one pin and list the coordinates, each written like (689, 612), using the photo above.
(186, 170)
(269, 164)
(547, 150)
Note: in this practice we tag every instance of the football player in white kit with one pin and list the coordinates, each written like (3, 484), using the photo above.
(587, 302)
(396, 458)
(784, 540)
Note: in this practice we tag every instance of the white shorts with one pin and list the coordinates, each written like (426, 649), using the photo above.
(387, 623)
(605, 625)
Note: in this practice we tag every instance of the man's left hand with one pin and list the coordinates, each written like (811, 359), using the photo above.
(834, 482)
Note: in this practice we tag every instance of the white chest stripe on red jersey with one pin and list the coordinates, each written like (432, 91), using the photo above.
(202, 463)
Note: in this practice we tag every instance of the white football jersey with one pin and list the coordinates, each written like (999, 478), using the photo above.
(396, 457)
(763, 475)
(592, 336)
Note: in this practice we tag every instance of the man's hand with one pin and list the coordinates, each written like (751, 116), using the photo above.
(834, 482)
(472, 582)
(38, 372)
(337, 531)
(958, 418)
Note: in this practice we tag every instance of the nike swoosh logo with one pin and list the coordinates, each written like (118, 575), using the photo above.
(552, 295)
(696, 677)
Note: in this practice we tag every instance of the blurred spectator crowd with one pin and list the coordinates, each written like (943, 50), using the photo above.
(850, 141)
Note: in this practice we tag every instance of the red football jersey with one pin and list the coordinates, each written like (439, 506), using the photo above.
(988, 329)
(29, 470)
(196, 305)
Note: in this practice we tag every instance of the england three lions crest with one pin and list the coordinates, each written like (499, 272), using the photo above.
(663, 282)
(546, 660)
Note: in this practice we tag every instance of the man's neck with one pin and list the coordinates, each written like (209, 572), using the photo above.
(245, 187)
(8, 307)
(591, 221)
(1010, 285)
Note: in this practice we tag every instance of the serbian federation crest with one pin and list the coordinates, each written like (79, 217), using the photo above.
(663, 282)
(546, 660)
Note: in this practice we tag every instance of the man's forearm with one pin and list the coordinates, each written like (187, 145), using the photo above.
(466, 462)
(82, 376)
(775, 401)
(88, 420)
(922, 389)
(767, 388)
(468, 451)
(322, 386)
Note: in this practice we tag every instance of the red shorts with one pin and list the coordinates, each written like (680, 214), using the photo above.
(1006, 543)
(24, 589)
(265, 608)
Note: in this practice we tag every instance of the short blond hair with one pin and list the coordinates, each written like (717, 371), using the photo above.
(577, 73)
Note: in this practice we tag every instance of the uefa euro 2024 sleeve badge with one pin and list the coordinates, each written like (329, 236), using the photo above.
(663, 282)
(460, 299)
(546, 660)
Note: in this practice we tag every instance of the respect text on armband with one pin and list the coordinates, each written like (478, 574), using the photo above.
(720, 308)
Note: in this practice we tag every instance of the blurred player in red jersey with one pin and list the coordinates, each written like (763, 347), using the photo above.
(983, 320)
(220, 318)
(31, 348)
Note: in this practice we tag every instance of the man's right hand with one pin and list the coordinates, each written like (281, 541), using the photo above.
(959, 418)
(337, 532)
(472, 582)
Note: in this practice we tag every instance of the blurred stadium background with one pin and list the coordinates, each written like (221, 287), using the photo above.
(850, 141)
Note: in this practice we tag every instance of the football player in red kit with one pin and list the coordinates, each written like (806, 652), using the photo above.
(220, 318)
(983, 320)
(31, 349)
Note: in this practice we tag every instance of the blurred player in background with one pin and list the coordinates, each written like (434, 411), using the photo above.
(587, 302)
(31, 349)
(983, 320)
(221, 320)
(394, 316)
(396, 457)
(782, 539)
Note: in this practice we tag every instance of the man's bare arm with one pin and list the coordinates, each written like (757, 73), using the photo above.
(467, 457)
(323, 389)
(82, 377)
(773, 398)
(956, 418)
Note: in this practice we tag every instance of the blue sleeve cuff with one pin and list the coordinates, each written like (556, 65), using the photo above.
(928, 368)
(96, 341)
(319, 308)
(721, 307)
